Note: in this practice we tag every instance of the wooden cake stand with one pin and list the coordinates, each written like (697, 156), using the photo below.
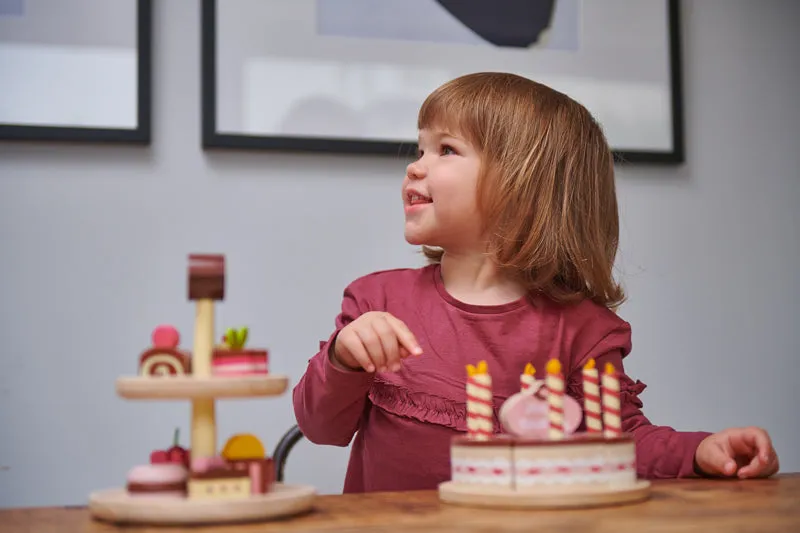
(553, 498)
(117, 506)
(198, 383)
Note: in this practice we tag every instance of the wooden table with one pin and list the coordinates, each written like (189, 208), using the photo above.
(771, 505)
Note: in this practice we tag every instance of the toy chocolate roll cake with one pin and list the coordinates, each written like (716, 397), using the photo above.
(164, 358)
(539, 450)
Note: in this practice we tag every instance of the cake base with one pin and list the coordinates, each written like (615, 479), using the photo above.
(563, 498)
(116, 506)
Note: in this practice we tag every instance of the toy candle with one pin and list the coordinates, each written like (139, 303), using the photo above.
(555, 398)
(591, 397)
(611, 403)
(479, 402)
(527, 379)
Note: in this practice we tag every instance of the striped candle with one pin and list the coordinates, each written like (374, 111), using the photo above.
(611, 407)
(527, 378)
(479, 402)
(591, 398)
(555, 398)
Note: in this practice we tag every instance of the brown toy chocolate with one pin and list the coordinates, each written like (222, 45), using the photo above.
(206, 277)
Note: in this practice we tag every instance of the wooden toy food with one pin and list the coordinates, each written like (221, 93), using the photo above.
(538, 459)
(198, 485)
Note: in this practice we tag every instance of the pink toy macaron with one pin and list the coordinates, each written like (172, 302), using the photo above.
(163, 480)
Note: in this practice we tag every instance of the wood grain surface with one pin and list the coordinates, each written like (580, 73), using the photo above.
(703, 506)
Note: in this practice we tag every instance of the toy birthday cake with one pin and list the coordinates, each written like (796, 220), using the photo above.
(539, 459)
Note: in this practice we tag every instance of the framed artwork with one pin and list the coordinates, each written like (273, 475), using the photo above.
(349, 75)
(75, 70)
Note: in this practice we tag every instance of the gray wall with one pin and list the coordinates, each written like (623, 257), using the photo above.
(94, 243)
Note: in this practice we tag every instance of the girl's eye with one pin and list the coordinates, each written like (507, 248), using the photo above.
(446, 149)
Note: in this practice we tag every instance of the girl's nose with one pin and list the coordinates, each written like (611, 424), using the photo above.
(415, 170)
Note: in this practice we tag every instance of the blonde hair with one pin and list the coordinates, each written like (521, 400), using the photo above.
(546, 191)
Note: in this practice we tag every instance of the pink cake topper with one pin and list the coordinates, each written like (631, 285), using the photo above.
(526, 415)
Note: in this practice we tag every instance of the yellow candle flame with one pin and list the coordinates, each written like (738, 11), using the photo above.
(482, 368)
(553, 366)
(529, 370)
(590, 364)
(610, 368)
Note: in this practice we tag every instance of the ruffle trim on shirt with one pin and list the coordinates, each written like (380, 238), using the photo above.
(629, 392)
(419, 406)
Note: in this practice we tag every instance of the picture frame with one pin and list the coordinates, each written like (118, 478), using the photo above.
(305, 75)
(74, 79)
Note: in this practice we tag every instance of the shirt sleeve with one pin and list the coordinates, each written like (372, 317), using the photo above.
(661, 451)
(328, 400)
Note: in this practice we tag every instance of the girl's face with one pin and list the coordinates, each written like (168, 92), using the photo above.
(439, 193)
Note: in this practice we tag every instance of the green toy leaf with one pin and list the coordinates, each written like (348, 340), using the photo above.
(236, 338)
(230, 337)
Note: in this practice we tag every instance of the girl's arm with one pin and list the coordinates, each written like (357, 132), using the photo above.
(330, 400)
(661, 451)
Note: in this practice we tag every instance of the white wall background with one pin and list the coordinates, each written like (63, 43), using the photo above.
(94, 241)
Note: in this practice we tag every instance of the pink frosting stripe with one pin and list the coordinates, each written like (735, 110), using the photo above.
(482, 470)
(554, 470)
(580, 470)
(240, 370)
(241, 360)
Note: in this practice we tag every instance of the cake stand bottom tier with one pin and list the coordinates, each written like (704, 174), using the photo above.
(561, 498)
(117, 506)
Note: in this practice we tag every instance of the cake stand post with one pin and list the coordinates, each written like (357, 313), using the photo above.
(206, 283)
(204, 427)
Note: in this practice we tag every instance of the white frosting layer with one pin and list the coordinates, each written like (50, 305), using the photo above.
(496, 471)
(540, 466)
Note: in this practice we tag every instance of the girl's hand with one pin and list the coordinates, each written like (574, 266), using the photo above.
(744, 452)
(375, 340)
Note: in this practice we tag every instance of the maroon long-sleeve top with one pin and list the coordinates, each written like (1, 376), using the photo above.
(403, 421)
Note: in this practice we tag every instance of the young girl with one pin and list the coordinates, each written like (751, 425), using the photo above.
(512, 197)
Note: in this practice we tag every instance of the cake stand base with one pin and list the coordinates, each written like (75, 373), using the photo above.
(117, 506)
(560, 498)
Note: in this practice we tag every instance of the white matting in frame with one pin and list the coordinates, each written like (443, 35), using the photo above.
(349, 75)
(75, 70)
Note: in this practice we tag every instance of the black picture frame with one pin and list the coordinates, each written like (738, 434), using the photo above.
(213, 139)
(140, 135)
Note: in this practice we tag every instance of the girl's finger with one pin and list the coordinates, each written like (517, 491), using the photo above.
(752, 441)
(406, 338)
(752, 469)
(389, 343)
(373, 346)
(719, 460)
(353, 346)
(757, 468)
